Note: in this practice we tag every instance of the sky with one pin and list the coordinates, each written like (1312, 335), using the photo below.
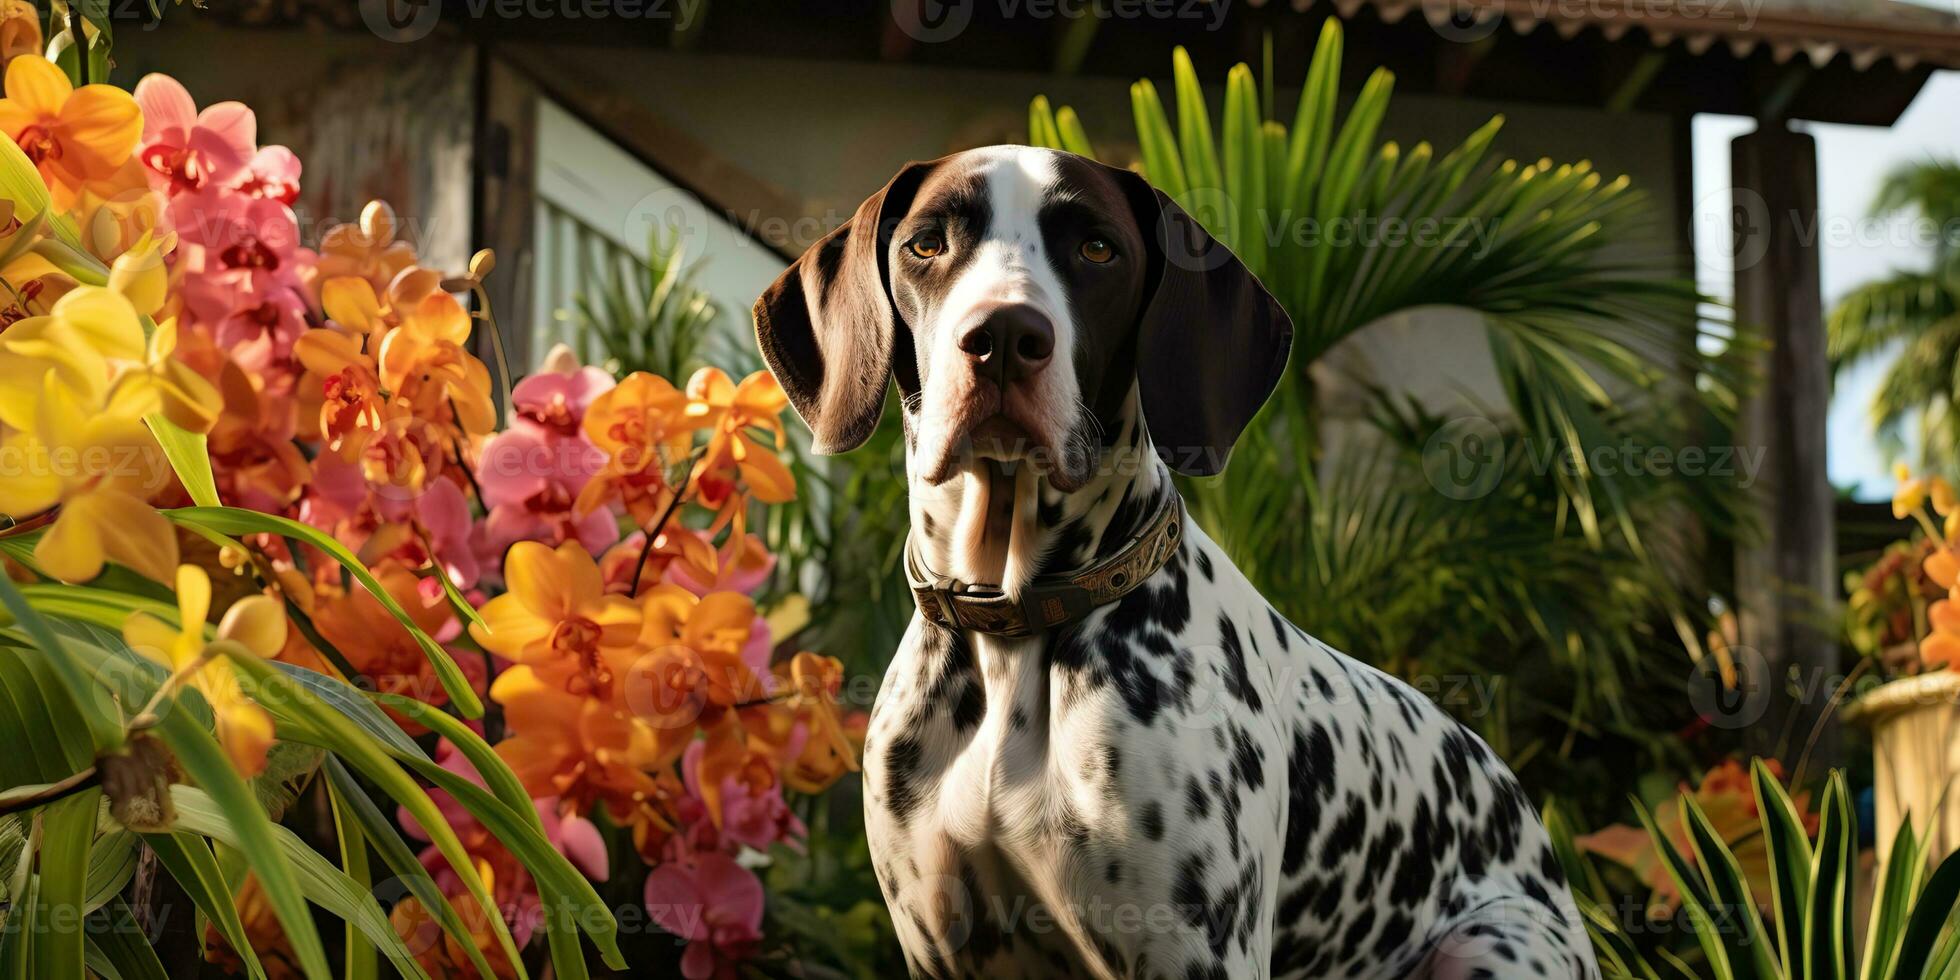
(1852, 160)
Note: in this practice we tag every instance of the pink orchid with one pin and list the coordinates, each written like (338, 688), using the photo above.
(530, 482)
(244, 243)
(260, 335)
(272, 173)
(714, 904)
(554, 402)
(748, 818)
(184, 149)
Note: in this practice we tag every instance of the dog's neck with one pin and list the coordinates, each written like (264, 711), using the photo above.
(1003, 524)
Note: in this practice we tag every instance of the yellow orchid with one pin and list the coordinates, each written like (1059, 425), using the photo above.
(140, 275)
(558, 620)
(1911, 493)
(101, 468)
(79, 138)
(255, 625)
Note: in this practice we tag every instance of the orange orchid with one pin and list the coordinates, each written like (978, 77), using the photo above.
(643, 426)
(377, 645)
(558, 621)
(251, 445)
(582, 750)
(438, 952)
(698, 654)
(423, 362)
(367, 250)
(20, 30)
(349, 384)
(729, 410)
(262, 930)
(79, 138)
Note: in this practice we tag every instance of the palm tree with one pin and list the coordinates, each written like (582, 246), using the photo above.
(1555, 563)
(1916, 314)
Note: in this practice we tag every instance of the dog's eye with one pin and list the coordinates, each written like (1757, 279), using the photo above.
(1098, 251)
(927, 245)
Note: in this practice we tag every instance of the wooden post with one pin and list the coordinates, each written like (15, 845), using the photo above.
(1787, 581)
(506, 188)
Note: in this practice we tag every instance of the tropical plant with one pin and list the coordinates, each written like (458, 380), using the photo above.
(1803, 926)
(651, 316)
(1915, 314)
(1549, 558)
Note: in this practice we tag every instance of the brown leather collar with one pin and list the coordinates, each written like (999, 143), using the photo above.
(1050, 600)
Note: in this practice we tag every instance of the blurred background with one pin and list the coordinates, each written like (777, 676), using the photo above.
(1679, 367)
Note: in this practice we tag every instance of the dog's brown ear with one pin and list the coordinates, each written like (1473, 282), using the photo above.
(826, 325)
(1211, 342)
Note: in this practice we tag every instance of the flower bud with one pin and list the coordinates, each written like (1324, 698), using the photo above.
(257, 623)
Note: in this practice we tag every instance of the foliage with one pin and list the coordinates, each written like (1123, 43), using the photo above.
(1550, 558)
(1798, 922)
(652, 317)
(1915, 313)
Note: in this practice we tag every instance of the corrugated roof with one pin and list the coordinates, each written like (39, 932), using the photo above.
(1867, 30)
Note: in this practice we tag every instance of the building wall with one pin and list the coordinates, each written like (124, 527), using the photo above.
(831, 133)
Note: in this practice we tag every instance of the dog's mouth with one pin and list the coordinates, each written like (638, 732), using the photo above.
(1000, 440)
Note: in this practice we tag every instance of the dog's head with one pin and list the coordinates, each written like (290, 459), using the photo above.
(1018, 295)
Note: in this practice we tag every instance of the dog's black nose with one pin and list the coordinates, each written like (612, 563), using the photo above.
(1011, 343)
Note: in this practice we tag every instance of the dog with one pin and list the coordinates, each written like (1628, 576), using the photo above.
(1098, 751)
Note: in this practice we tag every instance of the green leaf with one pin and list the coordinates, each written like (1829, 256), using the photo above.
(191, 864)
(201, 758)
(188, 456)
(1892, 898)
(1730, 891)
(402, 862)
(563, 889)
(112, 861)
(307, 719)
(86, 698)
(67, 829)
(233, 520)
(1717, 941)
(1827, 913)
(318, 879)
(1931, 913)
(116, 942)
(339, 696)
(362, 962)
(1787, 850)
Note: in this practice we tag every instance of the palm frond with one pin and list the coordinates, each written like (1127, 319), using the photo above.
(1596, 341)
(1876, 315)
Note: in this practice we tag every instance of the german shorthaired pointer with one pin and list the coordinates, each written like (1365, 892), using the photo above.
(1099, 752)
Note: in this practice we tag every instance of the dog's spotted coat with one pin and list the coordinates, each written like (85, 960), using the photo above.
(1182, 784)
